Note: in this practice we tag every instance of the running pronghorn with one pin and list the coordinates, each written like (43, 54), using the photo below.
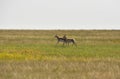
(60, 39)
(65, 40)
(71, 41)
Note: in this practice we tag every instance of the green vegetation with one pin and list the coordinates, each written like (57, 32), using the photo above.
(21, 45)
(33, 54)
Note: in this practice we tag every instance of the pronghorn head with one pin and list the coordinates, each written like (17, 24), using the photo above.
(56, 35)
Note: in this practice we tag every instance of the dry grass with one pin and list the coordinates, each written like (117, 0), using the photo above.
(95, 69)
(47, 36)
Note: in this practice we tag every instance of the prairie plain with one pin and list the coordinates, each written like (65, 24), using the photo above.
(34, 54)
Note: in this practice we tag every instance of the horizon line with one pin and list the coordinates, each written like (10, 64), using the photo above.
(52, 29)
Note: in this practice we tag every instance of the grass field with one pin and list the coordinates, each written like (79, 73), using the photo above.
(33, 54)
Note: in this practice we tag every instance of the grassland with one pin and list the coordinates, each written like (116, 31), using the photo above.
(33, 54)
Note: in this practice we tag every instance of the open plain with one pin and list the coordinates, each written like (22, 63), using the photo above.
(34, 54)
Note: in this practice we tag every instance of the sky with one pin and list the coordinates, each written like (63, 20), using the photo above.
(60, 14)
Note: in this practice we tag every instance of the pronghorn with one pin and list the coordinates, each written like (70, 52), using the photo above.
(70, 41)
(67, 41)
(60, 39)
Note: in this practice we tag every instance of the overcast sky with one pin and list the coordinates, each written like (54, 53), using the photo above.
(59, 14)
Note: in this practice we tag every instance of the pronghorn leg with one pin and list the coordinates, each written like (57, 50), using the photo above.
(57, 42)
(68, 43)
(63, 43)
(74, 43)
